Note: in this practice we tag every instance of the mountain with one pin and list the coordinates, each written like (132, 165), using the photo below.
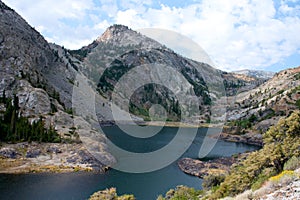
(260, 74)
(235, 83)
(40, 79)
(115, 41)
(262, 106)
(119, 50)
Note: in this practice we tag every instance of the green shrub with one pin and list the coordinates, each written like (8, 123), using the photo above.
(262, 178)
(181, 193)
(297, 76)
(298, 103)
(110, 194)
(282, 142)
(211, 181)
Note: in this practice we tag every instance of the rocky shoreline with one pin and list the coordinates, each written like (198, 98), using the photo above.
(248, 138)
(200, 168)
(47, 157)
(196, 167)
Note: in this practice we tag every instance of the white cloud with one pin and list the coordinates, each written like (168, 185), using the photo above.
(287, 9)
(64, 22)
(130, 17)
(139, 5)
(236, 34)
(110, 7)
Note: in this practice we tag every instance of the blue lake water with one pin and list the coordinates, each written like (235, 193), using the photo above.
(145, 186)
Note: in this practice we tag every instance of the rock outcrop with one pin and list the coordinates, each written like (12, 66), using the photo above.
(202, 168)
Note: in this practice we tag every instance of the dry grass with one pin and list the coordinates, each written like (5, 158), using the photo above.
(17, 166)
(10, 163)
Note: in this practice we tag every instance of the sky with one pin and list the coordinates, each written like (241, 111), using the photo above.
(236, 34)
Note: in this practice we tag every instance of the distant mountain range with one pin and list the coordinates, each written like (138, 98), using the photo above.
(256, 73)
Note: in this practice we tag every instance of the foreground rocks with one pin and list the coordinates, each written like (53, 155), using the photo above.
(47, 157)
(288, 192)
(7, 152)
(286, 187)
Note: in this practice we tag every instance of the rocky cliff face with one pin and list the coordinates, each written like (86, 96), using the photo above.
(41, 75)
(26, 55)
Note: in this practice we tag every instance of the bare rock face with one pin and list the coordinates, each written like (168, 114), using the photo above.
(38, 100)
(34, 101)
(26, 55)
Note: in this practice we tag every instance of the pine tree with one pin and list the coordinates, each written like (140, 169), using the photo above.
(3, 98)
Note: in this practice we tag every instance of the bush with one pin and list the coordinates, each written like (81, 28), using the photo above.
(281, 144)
(298, 103)
(262, 178)
(181, 193)
(110, 194)
(211, 181)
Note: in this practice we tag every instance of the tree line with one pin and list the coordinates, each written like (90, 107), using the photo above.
(16, 128)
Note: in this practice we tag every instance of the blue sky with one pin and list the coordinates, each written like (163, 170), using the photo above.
(237, 34)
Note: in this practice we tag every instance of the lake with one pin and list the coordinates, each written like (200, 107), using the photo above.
(145, 186)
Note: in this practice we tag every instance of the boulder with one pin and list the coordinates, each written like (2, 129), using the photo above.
(8, 152)
(33, 153)
(54, 149)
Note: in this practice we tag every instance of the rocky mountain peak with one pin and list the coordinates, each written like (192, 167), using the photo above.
(121, 35)
(112, 31)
